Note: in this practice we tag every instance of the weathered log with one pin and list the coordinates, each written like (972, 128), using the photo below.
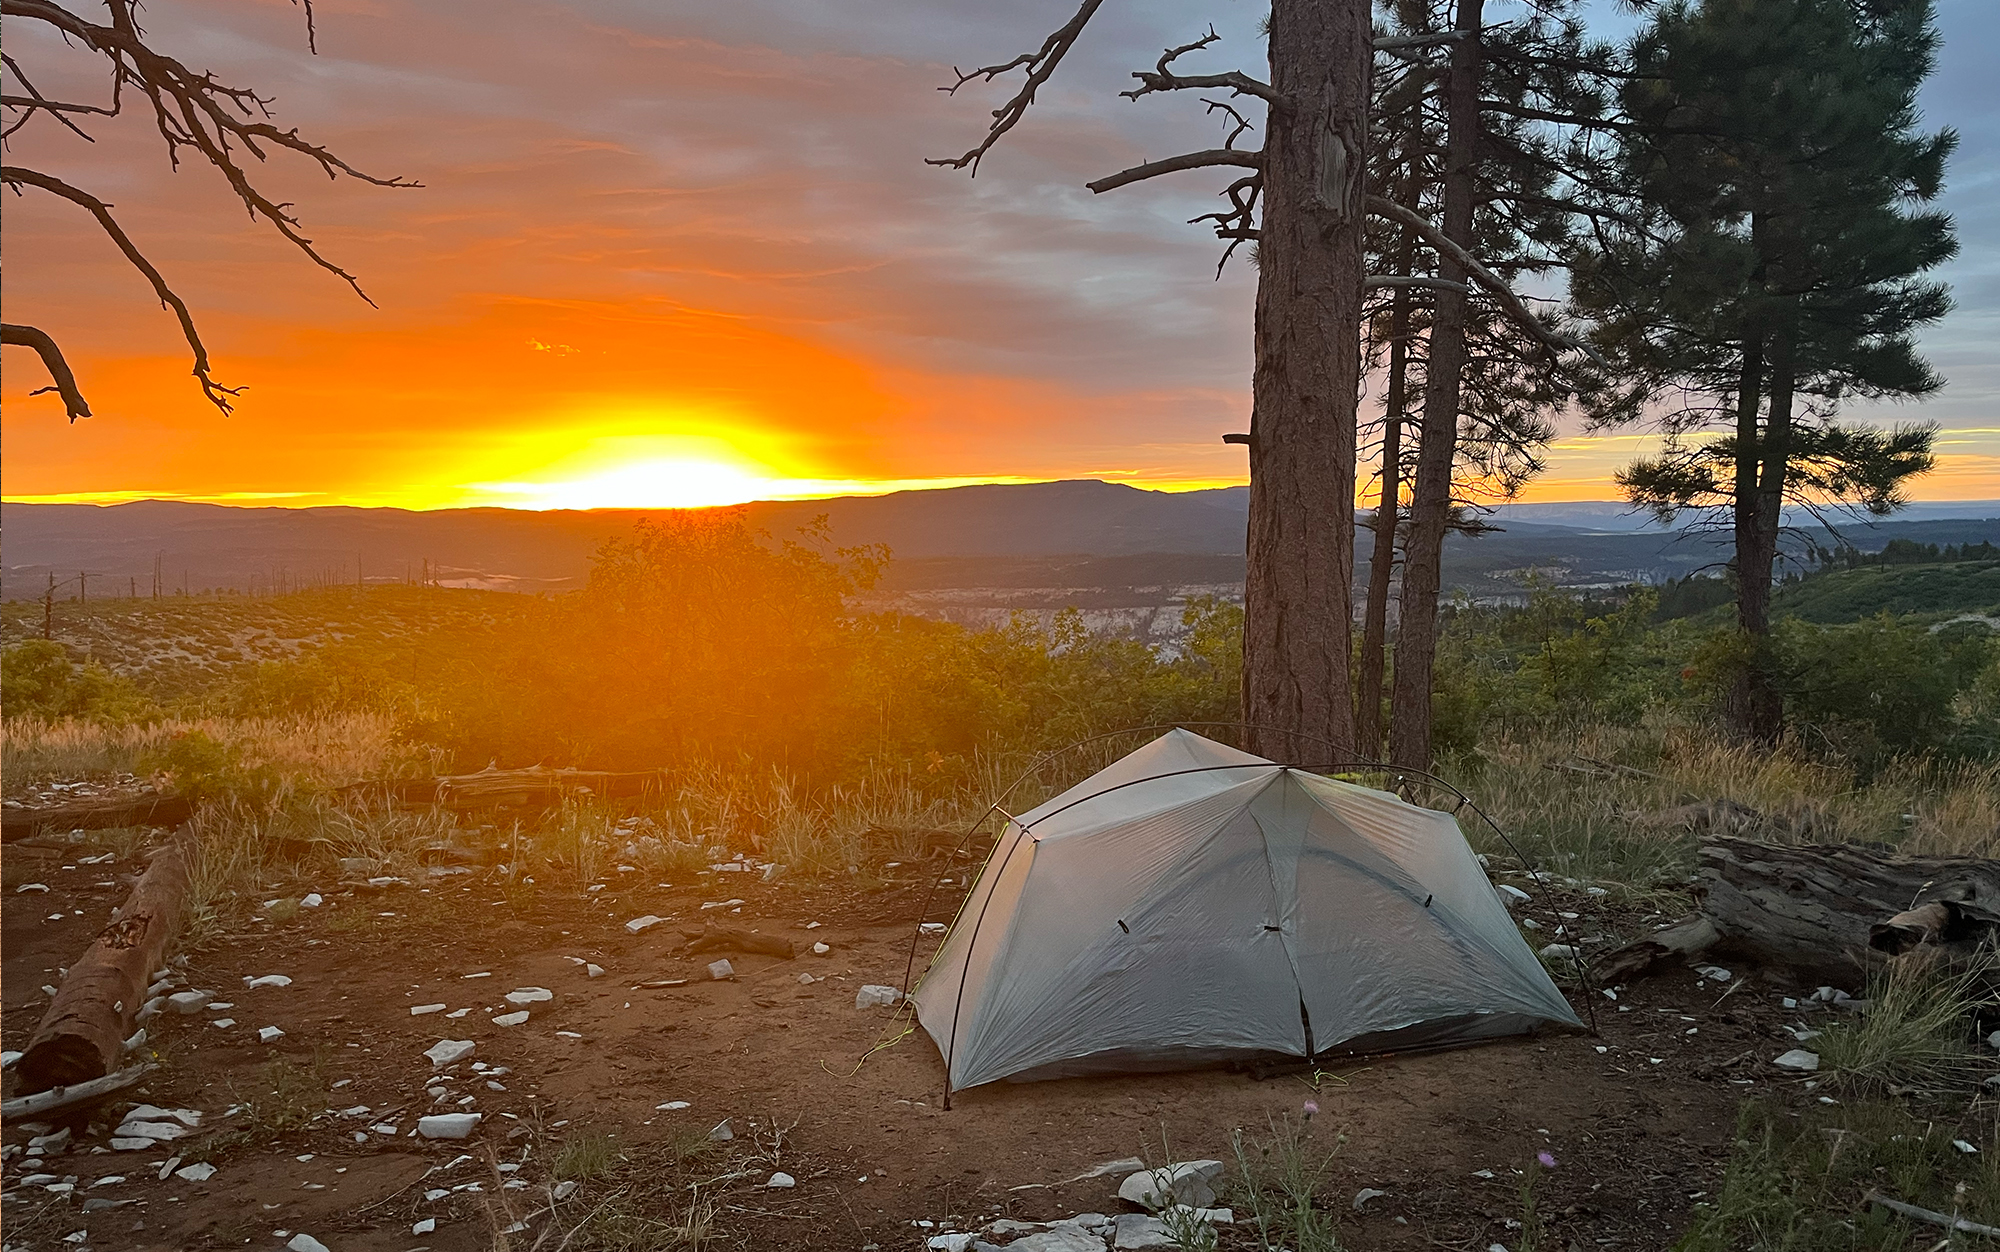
(726, 939)
(84, 1030)
(540, 788)
(74, 1096)
(1824, 909)
(152, 808)
(1949, 1221)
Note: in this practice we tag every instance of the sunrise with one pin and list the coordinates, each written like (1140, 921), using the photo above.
(1049, 626)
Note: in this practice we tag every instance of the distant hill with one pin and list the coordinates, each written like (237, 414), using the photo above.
(1848, 595)
(1060, 535)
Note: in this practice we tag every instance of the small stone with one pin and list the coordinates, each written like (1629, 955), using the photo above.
(1183, 1182)
(1510, 895)
(930, 928)
(529, 995)
(564, 1190)
(781, 1180)
(671, 1106)
(1363, 1196)
(805, 980)
(448, 1125)
(269, 1034)
(1798, 1059)
(720, 970)
(1141, 1230)
(949, 1243)
(445, 1051)
(511, 1019)
(158, 1132)
(418, 1010)
(200, 1171)
(722, 1133)
(223, 1023)
(821, 949)
(311, 900)
(188, 1003)
(647, 922)
(268, 980)
(303, 1242)
(1063, 1238)
(425, 1226)
(592, 971)
(1963, 1146)
(872, 996)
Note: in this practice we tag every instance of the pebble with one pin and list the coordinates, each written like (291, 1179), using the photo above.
(224, 1023)
(720, 970)
(871, 996)
(425, 1226)
(1510, 895)
(593, 971)
(311, 900)
(418, 1010)
(565, 1189)
(303, 1242)
(820, 949)
(1181, 1182)
(511, 1019)
(1799, 1059)
(647, 922)
(188, 1003)
(269, 1034)
(722, 1133)
(200, 1171)
(529, 995)
(268, 980)
(781, 1180)
(671, 1106)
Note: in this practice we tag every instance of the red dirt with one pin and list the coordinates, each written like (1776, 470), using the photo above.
(1638, 1120)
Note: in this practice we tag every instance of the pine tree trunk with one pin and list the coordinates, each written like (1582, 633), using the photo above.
(1750, 693)
(1382, 561)
(1430, 502)
(1297, 620)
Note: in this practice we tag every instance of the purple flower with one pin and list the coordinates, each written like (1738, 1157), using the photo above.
(1547, 1159)
(1311, 1108)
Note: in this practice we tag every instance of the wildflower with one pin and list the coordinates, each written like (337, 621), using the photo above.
(1547, 1159)
(1310, 1109)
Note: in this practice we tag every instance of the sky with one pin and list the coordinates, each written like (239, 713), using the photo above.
(689, 253)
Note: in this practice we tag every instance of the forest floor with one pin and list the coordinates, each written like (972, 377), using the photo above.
(314, 1132)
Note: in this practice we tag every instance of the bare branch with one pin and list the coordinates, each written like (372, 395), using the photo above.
(1499, 290)
(1175, 164)
(1416, 280)
(1040, 65)
(35, 101)
(1396, 42)
(1162, 78)
(52, 359)
(17, 177)
(1239, 122)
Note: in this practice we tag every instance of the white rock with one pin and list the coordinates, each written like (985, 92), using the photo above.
(1064, 1238)
(949, 1243)
(418, 1010)
(1992, 1041)
(781, 1180)
(930, 928)
(159, 1132)
(812, 925)
(188, 1003)
(269, 1034)
(223, 1023)
(1963, 1146)
(1141, 1230)
(306, 1243)
(190, 1118)
(721, 969)
(647, 922)
(871, 996)
(1799, 1059)
(1182, 1182)
(806, 979)
(31, 886)
(564, 1190)
(722, 1133)
(671, 1106)
(445, 1051)
(1363, 1196)
(511, 1019)
(529, 995)
(448, 1125)
(268, 980)
(425, 1226)
(592, 971)
(200, 1171)
(123, 1143)
(8, 1058)
(311, 900)
(1510, 895)
(820, 949)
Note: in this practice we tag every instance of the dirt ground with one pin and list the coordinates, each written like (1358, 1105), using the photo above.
(1638, 1119)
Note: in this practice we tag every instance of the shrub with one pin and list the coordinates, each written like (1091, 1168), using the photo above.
(37, 679)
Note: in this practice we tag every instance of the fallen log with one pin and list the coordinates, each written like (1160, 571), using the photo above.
(82, 1035)
(74, 1096)
(1822, 909)
(1946, 1220)
(540, 788)
(151, 808)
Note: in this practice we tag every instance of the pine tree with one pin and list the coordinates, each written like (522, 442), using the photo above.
(1771, 267)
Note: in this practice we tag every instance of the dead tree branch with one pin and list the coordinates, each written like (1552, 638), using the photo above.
(1417, 280)
(17, 177)
(1162, 77)
(1039, 66)
(1175, 164)
(52, 360)
(1502, 294)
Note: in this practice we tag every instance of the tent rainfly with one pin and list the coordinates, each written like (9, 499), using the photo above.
(1192, 904)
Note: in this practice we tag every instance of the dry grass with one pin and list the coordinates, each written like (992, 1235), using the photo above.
(331, 749)
(1919, 1033)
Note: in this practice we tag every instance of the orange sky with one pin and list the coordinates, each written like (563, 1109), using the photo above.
(665, 254)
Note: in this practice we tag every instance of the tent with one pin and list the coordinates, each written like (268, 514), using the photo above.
(1191, 904)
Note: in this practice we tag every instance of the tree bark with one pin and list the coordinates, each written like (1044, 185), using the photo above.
(1437, 451)
(1297, 696)
(82, 1035)
(1762, 704)
(1382, 561)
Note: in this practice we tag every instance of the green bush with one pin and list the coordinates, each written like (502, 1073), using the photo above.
(37, 679)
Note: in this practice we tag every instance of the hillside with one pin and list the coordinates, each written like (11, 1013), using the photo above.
(1851, 594)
